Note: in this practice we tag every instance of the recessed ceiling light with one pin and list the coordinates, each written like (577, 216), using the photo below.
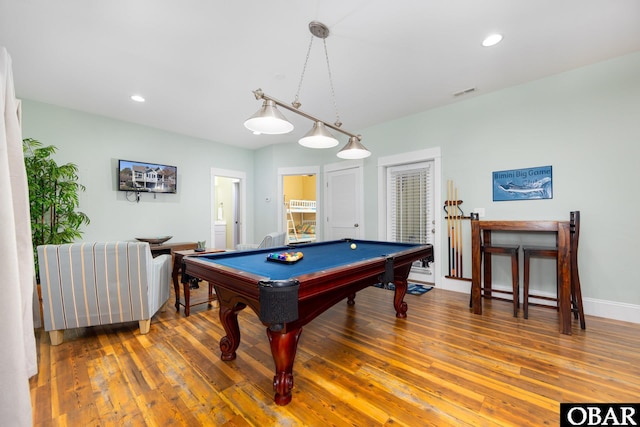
(137, 98)
(492, 40)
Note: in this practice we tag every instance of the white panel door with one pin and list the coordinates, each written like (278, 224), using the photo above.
(344, 204)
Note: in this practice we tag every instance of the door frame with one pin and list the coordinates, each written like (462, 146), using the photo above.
(242, 179)
(428, 154)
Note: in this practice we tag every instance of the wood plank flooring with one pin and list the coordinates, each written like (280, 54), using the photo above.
(357, 366)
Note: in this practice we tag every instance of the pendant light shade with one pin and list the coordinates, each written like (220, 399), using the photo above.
(353, 150)
(318, 137)
(268, 120)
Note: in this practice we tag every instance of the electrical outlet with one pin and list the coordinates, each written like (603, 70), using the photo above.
(479, 211)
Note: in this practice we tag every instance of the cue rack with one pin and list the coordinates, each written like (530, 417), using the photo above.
(455, 218)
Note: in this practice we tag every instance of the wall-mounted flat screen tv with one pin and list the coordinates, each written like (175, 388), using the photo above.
(147, 177)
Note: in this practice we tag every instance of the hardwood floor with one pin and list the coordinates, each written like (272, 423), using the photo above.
(355, 366)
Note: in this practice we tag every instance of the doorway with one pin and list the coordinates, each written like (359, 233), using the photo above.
(299, 207)
(228, 212)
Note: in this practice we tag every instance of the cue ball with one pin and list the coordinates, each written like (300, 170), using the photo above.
(353, 246)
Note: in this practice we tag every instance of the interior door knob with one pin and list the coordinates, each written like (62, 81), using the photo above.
(355, 225)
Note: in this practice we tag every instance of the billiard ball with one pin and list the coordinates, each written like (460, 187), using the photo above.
(353, 246)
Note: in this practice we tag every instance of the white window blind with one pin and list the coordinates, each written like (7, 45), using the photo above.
(409, 208)
(410, 212)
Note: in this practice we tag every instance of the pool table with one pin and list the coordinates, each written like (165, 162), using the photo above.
(288, 295)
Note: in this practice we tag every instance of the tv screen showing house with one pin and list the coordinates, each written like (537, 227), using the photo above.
(147, 177)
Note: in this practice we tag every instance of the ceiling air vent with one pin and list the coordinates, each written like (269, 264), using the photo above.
(465, 91)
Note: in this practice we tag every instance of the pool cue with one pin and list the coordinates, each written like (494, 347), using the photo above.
(461, 253)
(448, 209)
(450, 229)
(457, 235)
(459, 228)
(453, 234)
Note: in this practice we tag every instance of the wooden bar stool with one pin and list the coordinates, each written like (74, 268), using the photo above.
(552, 252)
(486, 289)
(486, 250)
(536, 252)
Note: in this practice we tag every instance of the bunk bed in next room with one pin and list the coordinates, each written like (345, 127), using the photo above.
(301, 221)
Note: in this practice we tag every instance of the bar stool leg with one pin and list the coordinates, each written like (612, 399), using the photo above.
(516, 283)
(525, 297)
(576, 298)
(486, 285)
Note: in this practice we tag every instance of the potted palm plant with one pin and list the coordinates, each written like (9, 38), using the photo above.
(53, 196)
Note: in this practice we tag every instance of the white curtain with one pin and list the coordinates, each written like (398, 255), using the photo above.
(18, 360)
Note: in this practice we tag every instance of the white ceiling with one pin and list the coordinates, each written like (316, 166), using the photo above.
(197, 61)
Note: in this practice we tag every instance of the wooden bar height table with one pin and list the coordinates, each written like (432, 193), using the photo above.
(177, 269)
(482, 230)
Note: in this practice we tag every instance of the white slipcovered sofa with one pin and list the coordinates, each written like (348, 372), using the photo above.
(88, 284)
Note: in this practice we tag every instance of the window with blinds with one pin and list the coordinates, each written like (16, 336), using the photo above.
(410, 213)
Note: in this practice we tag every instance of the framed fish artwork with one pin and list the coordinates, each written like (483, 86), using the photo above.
(523, 184)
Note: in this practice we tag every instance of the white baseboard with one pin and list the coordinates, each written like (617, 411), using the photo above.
(592, 307)
(612, 310)
(455, 285)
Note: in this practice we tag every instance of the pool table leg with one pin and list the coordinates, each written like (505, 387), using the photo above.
(398, 300)
(283, 349)
(351, 299)
(229, 319)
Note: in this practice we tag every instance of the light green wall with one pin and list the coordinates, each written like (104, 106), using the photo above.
(585, 123)
(96, 143)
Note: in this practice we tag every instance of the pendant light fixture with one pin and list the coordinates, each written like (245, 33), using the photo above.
(270, 120)
(353, 150)
(318, 137)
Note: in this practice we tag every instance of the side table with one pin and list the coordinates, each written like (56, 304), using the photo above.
(177, 269)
